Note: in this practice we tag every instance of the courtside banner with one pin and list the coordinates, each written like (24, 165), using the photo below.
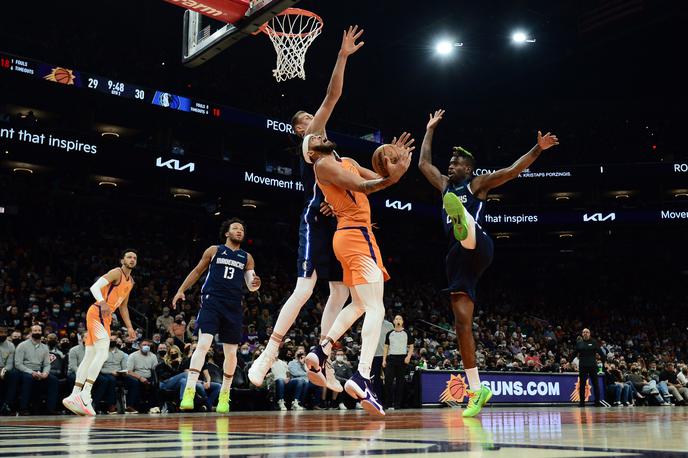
(440, 387)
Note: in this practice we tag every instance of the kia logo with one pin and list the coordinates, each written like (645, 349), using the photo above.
(174, 164)
(598, 217)
(397, 205)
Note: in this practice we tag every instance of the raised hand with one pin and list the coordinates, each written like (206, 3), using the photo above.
(435, 119)
(349, 45)
(404, 143)
(547, 141)
(256, 282)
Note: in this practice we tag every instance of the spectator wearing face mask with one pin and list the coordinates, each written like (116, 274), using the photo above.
(8, 376)
(164, 321)
(170, 370)
(285, 383)
(58, 368)
(140, 366)
(114, 367)
(244, 354)
(16, 338)
(32, 360)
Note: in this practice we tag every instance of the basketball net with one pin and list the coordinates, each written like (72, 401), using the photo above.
(292, 32)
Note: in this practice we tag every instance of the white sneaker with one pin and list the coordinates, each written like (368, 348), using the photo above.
(154, 410)
(342, 406)
(296, 406)
(281, 405)
(332, 382)
(71, 404)
(260, 368)
(75, 403)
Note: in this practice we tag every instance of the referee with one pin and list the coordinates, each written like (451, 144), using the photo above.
(587, 366)
(396, 357)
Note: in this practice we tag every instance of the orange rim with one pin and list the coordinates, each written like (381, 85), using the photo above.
(265, 28)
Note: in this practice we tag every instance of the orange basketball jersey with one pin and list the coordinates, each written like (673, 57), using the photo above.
(114, 295)
(351, 207)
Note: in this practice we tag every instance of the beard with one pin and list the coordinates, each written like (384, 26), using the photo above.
(236, 239)
(325, 148)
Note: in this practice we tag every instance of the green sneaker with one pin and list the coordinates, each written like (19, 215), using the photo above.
(223, 403)
(477, 399)
(188, 399)
(456, 212)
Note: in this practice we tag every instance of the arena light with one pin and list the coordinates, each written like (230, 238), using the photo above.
(249, 203)
(622, 195)
(109, 134)
(22, 170)
(681, 194)
(180, 195)
(495, 198)
(446, 47)
(566, 235)
(520, 37)
(107, 183)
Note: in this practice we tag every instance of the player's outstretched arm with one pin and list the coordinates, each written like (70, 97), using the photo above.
(330, 172)
(334, 89)
(252, 280)
(195, 274)
(482, 184)
(431, 172)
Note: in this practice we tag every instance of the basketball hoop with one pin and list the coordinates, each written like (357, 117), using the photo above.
(292, 31)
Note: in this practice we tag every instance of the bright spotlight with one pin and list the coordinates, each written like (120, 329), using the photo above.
(444, 47)
(521, 37)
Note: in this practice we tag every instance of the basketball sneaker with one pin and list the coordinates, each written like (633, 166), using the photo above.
(332, 382)
(360, 389)
(75, 403)
(315, 363)
(223, 402)
(457, 214)
(188, 399)
(477, 399)
(260, 368)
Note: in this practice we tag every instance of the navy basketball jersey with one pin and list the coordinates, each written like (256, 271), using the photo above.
(312, 194)
(473, 205)
(225, 278)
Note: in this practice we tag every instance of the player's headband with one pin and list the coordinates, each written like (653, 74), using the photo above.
(305, 149)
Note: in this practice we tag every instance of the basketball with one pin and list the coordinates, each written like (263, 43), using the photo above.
(379, 163)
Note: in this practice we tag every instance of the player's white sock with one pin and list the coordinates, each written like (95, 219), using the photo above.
(198, 358)
(86, 391)
(272, 348)
(473, 379)
(339, 293)
(372, 297)
(82, 370)
(469, 242)
(229, 366)
(290, 310)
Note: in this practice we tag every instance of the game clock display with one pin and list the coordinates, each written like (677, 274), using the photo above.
(70, 77)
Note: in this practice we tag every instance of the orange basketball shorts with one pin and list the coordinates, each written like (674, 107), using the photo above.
(357, 251)
(98, 326)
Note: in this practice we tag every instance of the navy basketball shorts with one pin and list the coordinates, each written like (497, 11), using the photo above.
(221, 317)
(465, 267)
(315, 250)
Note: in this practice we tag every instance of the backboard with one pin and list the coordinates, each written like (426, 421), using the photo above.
(205, 37)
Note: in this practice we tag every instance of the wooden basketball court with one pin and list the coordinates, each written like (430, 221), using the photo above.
(498, 432)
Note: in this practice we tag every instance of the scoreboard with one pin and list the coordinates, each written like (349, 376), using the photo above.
(110, 86)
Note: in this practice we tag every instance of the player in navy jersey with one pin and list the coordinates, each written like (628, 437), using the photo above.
(470, 248)
(229, 268)
(316, 226)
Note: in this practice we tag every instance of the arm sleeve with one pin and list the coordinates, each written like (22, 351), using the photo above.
(19, 360)
(97, 286)
(249, 275)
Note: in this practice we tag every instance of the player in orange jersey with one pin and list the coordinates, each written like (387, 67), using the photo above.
(111, 292)
(345, 185)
